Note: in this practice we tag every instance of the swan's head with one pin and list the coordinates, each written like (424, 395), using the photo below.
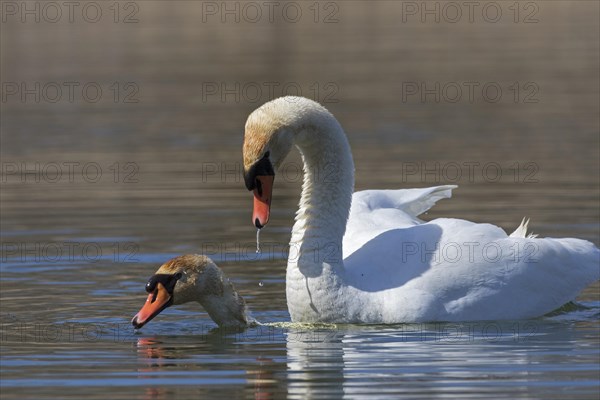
(192, 278)
(269, 135)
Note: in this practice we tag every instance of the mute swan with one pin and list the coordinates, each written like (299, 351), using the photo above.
(194, 278)
(367, 258)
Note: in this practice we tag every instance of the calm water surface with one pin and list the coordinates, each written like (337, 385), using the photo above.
(143, 181)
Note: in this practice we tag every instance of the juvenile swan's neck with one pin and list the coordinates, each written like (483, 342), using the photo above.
(316, 244)
(227, 309)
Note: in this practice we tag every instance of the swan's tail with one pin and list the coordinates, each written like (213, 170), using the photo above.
(521, 231)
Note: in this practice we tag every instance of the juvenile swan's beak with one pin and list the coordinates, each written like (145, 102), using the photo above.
(262, 200)
(157, 300)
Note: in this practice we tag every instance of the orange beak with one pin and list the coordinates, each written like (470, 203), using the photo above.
(157, 301)
(262, 200)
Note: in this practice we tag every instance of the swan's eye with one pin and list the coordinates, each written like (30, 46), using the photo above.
(151, 285)
(167, 280)
(262, 167)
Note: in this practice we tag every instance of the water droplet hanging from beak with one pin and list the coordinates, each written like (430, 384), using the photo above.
(257, 240)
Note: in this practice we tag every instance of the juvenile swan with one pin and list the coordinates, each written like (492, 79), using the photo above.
(194, 278)
(367, 258)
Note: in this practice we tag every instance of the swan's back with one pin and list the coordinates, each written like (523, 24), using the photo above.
(451, 269)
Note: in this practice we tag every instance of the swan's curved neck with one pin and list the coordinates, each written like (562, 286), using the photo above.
(316, 244)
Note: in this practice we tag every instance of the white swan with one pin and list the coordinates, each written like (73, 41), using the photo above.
(367, 258)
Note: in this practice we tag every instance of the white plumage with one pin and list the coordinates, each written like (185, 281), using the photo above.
(367, 257)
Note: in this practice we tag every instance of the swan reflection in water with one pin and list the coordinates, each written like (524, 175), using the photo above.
(302, 361)
(189, 361)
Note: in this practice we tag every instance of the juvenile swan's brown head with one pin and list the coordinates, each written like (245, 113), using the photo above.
(192, 278)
